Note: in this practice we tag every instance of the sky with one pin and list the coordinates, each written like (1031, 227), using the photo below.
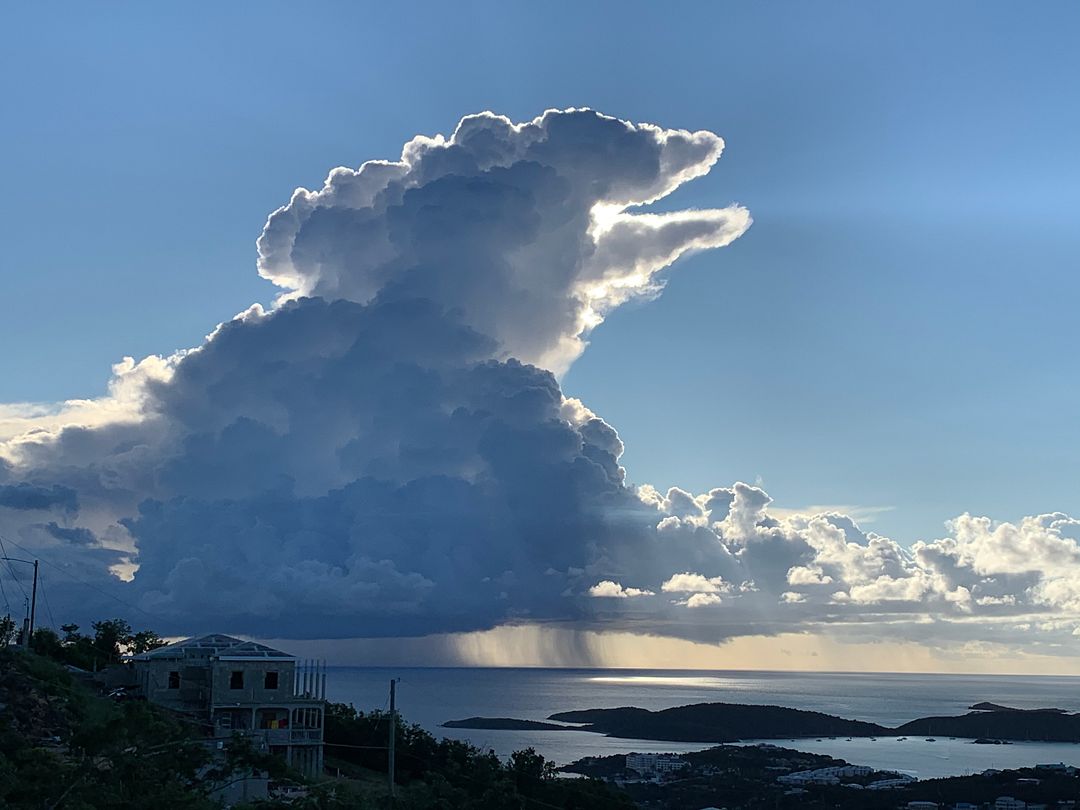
(892, 338)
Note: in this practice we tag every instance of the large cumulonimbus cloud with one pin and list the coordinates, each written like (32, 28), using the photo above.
(387, 451)
(522, 228)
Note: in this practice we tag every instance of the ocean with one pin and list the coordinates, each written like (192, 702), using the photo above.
(432, 696)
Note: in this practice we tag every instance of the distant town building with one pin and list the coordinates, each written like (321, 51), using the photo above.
(898, 781)
(1009, 803)
(1056, 767)
(241, 687)
(824, 776)
(654, 764)
(922, 805)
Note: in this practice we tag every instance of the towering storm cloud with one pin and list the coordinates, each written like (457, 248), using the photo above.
(522, 229)
(387, 451)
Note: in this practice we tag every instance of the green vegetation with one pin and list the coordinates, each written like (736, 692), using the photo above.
(111, 638)
(61, 746)
(724, 776)
(446, 773)
(744, 778)
(64, 746)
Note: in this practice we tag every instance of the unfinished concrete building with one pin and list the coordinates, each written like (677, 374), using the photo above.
(241, 687)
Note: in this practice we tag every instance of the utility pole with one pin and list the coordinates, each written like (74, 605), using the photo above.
(28, 625)
(33, 604)
(393, 734)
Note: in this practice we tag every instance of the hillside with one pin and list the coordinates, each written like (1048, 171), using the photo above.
(1046, 725)
(63, 745)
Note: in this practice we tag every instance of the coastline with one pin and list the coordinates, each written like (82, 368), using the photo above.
(431, 696)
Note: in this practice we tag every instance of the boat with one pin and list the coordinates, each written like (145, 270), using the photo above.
(930, 739)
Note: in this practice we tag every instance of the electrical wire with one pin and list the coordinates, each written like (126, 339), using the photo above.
(14, 575)
(89, 585)
(7, 604)
(45, 599)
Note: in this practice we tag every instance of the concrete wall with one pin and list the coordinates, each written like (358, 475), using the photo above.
(202, 682)
(253, 690)
(153, 677)
(207, 683)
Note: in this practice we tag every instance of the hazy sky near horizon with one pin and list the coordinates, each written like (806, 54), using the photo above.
(893, 338)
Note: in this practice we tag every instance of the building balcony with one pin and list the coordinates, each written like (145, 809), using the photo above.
(276, 736)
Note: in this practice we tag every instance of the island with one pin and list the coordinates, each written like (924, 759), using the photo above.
(734, 722)
(504, 724)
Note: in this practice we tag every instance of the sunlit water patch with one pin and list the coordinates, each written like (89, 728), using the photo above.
(685, 681)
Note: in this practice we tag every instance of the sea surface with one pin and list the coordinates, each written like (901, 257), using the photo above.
(430, 697)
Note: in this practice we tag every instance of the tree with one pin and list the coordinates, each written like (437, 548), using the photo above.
(46, 642)
(530, 770)
(144, 641)
(110, 636)
(76, 649)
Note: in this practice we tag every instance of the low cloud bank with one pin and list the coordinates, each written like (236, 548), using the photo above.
(386, 451)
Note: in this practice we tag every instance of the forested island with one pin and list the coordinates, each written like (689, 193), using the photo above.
(505, 724)
(733, 722)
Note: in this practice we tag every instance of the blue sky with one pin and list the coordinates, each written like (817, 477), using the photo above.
(897, 329)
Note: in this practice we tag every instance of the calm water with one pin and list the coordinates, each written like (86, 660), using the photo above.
(432, 696)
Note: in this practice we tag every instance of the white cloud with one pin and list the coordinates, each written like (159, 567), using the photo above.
(608, 588)
(807, 575)
(26, 426)
(695, 583)
(703, 600)
(1008, 599)
(860, 514)
(499, 200)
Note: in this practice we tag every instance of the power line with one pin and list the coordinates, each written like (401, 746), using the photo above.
(14, 576)
(45, 598)
(89, 585)
(7, 604)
